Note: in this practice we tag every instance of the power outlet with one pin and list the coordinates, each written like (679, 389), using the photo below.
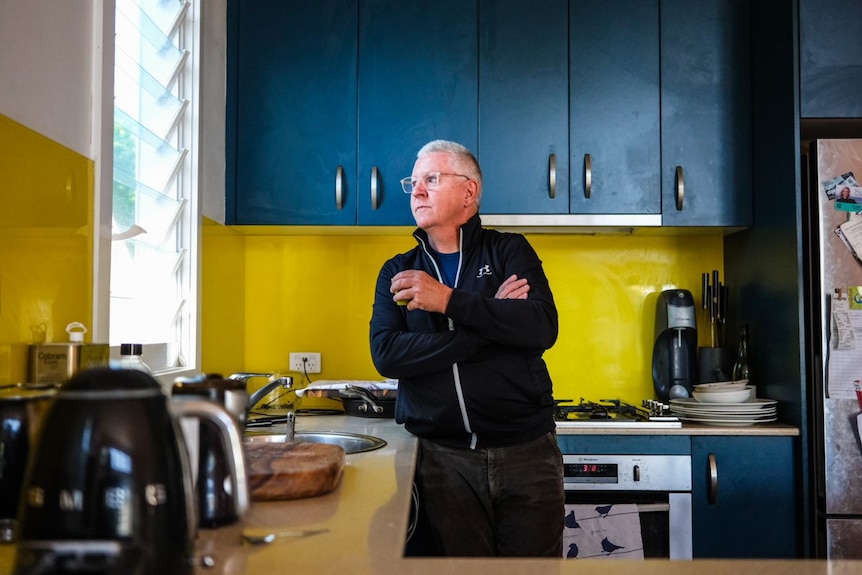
(305, 362)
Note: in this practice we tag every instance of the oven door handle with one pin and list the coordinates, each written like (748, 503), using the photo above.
(653, 507)
(711, 479)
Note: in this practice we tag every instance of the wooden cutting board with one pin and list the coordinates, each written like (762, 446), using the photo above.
(279, 471)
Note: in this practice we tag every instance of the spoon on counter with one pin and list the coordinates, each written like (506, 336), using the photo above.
(262, 538)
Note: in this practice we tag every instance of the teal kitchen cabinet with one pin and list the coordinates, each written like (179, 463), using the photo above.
(706, 116)
(614, 104)
(328, 102)
(585, 73)
(523, 106)
(291, 112)
(743, 502)
(417, 83)
(830, 58)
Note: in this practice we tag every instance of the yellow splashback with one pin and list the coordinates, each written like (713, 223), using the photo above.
(46, 235)
(265, 296)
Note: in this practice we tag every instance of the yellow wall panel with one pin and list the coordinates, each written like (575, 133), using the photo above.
(223, 281)
(46, 239)
(314, 294)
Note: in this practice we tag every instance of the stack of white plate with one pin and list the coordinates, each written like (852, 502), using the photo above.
(727, 413)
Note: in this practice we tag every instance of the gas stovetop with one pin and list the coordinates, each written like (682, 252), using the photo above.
(614, 413)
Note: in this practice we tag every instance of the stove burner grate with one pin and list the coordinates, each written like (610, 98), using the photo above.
(613, 410)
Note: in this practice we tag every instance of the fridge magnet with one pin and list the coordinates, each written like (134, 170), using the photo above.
(834, 185)
(848, 198)
(854, 298)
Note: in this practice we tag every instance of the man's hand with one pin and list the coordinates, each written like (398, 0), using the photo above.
(513, 288)
(420, 291)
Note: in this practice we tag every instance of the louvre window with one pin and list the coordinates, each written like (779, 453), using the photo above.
(154, 183)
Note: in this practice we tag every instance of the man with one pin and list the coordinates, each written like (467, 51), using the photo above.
(462, 321)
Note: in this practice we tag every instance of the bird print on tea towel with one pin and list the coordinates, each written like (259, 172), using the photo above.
(602, 531)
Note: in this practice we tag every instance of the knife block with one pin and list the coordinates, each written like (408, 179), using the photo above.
(715, 364)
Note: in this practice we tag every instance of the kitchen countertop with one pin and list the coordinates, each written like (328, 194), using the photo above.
(367, 517)
(761, 429)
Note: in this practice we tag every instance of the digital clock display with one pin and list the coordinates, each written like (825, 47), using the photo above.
(588, 472)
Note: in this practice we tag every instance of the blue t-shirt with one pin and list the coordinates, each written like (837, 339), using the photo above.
(448, 266)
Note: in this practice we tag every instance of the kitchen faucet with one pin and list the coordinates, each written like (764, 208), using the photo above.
(275, 381)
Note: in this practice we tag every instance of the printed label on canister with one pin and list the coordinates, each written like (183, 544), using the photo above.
(57, 362)
(49, 363)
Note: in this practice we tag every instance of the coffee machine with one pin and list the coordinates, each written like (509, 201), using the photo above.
(674, 356)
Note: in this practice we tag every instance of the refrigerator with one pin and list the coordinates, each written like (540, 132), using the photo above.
(833, 229)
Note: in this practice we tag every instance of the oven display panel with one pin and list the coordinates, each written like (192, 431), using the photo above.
(591, 472)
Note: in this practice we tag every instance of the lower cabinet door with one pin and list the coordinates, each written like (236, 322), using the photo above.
(743, 503)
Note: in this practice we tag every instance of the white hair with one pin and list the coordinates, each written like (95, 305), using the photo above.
(463, 157)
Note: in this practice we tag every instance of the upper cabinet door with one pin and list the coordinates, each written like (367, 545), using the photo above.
(523, 106)
(830, 58)
(615, 115)
(291, 134)
(417, 83)
(706, 113)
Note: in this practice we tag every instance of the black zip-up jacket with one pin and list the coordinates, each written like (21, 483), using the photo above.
(475, 376)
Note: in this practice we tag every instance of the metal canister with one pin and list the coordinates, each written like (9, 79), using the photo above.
(57, 362)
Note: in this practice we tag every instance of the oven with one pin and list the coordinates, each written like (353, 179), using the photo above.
(651, 470)
(659, 485)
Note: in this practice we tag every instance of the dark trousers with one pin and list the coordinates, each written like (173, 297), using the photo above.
(501, 501)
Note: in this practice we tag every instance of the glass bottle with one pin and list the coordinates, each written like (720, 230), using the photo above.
(131, 358)
(741, 369)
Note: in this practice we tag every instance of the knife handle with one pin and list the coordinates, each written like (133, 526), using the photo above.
(719, 293)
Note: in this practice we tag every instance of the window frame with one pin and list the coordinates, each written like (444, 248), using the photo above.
(102, 129)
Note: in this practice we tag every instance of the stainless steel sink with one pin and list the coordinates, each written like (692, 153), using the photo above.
(350, 442)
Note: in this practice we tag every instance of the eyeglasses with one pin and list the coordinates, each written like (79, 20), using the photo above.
(431, 181)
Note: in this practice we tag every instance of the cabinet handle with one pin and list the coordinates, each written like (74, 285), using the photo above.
(552, 176)
(588, 176)
(374, 178)
(680, 188)
(712, 479)
(339, 187)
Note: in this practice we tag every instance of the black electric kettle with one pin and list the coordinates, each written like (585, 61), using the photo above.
(109, 488)
(22, 407)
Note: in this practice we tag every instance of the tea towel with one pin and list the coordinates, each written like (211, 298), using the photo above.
(602, 532)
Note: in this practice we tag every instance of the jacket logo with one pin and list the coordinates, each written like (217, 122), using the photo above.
(485, 270)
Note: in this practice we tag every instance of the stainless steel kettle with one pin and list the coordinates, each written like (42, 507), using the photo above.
(211, 473)
(109, 488)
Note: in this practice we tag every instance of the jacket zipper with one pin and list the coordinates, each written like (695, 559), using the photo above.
(456, 374)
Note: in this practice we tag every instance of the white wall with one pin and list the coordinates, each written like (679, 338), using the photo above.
(46, 68)
(212, 107)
